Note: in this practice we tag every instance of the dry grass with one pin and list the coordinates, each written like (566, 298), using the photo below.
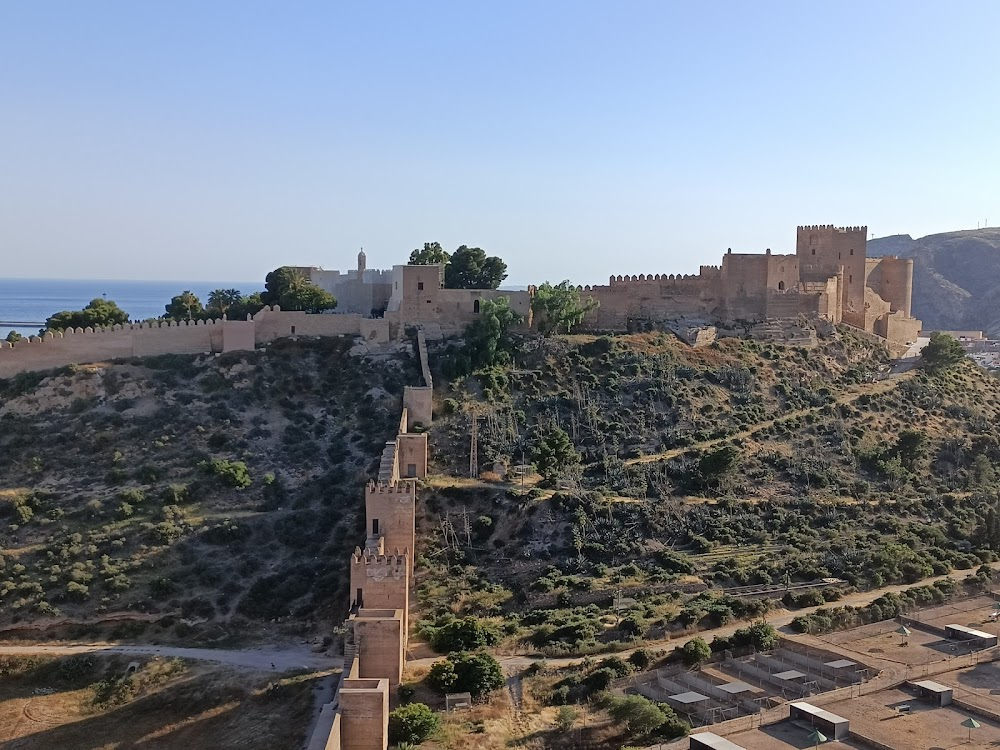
(45, 703)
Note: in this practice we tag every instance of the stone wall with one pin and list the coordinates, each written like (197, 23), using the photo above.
(188, 337)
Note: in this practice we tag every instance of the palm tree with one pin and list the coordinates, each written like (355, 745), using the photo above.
(223, 299)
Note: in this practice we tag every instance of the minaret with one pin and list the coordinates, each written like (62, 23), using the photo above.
(362, 263)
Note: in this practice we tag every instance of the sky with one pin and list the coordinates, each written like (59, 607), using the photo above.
(215, 140)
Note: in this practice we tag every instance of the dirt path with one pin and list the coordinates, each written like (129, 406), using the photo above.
(263, 659)
(850, 396)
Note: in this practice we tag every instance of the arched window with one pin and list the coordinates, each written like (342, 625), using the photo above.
(814, 251)
(781, 286)
(475, 306)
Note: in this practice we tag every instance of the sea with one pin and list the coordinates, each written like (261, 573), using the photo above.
(26, 303)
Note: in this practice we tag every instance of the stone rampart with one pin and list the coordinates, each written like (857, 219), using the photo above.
(61, 348)
(81, 346)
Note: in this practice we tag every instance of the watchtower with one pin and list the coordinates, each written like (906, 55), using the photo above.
(381, 581)
(823, 250)
(390, 510)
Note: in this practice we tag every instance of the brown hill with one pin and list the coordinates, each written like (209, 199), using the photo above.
(956, 277)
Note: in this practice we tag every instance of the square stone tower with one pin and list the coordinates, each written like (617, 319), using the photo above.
(823, 249)
(390, 510)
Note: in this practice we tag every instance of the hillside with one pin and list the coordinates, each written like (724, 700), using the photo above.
(195, 498)
(699, 470)
(956, 277)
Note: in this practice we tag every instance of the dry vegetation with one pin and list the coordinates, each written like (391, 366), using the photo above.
(87, 703)
(740, 463)
(189, 497)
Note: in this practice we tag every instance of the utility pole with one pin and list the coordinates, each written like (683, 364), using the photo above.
(474, 447)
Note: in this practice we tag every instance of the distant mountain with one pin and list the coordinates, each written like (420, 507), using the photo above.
(956, 277)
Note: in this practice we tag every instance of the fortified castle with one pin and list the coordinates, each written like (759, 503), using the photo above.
(829, 278)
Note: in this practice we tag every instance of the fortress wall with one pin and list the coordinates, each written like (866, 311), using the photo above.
(121, 342)
(659, 297)
(364, 714)
(742, 276)
(379, 637)
(892, 280)
(274, 323)
(782, 272)
(412, 454)
(60, 350)
(186, 337)
(898, 329)
(418, 402)
(792, 304)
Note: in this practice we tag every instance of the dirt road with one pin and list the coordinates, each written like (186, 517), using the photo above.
(263, 659)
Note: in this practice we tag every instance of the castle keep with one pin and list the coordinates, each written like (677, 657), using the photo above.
(829, 277)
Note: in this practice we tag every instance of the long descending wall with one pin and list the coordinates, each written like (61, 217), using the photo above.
(381, 579)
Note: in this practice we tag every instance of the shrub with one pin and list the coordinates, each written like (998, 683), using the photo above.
(695, 652)
(475, 673)
(414, 723)
(466, 634)
(232, 473)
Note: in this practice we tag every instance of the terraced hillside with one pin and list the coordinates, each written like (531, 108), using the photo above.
(190, 497)
(670, 474)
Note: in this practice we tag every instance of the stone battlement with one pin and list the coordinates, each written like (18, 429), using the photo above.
(391, 561)
(822, 227)
(401, 488)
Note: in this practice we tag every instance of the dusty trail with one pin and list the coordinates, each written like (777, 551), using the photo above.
(262, 659)
(850, 396)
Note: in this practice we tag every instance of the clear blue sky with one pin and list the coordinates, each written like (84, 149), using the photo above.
(218, 140)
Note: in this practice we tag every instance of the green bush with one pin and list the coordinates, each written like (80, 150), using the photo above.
(475, 673)
(231, 473)
(412, 723)
(467, 634)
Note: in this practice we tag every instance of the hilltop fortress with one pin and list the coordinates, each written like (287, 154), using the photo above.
(829, 278)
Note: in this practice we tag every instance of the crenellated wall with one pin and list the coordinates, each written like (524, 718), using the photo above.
(80, 346)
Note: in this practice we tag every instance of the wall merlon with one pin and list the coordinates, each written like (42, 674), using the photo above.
(382, 488)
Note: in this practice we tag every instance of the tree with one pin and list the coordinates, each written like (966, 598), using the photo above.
(695, 652)
(442, 676)
(431, 254)
(184, 306)
(554, 453)
(559, 307)
(291, 289)
(910, 447)
(487, 339)
(470, 268)
(221, 300)
(414, 723)
(717, 466)
(942, 352)
(761, 635)
(249, 305)
(987, 533)
(99, 313)
(638, 714)
(476, 673)
(463, 635)
(13, 337)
